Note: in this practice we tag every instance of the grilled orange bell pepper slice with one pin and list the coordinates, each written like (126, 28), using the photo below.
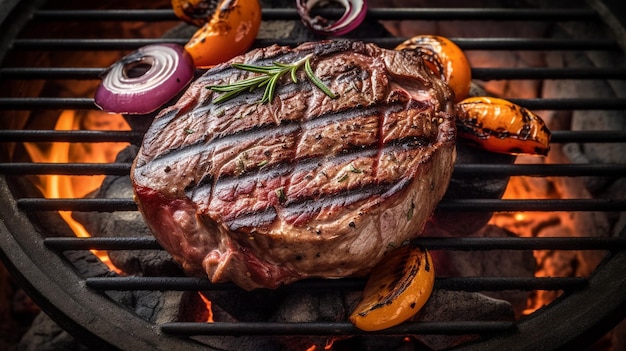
(230, 32)
(501, 126)
(396, 290)
(444, 58)
(196, 12)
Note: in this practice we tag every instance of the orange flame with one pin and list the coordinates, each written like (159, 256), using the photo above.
(208, 305)
(60, 186)
(524, 224)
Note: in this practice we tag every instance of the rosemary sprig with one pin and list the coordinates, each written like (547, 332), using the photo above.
(269, 78)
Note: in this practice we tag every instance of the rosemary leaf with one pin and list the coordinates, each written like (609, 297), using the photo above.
(354, 169)
(313, 78)
(342, 178)
(252, 68)
(294, 78)
(268, 79)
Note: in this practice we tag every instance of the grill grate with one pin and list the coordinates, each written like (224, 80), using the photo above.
(47, 268)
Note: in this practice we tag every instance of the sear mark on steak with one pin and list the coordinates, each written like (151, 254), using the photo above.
(303, 186)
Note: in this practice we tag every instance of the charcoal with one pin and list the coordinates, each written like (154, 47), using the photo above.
(153, 306)
(247, 306)
(459, 306)
(240, 343)
(327, 306)
(233, 343)
(124, 224)
(488, 263)
(589, 120)
(45, 335)
(472, 187)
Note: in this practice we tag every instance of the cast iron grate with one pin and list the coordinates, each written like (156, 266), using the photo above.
(39, 263)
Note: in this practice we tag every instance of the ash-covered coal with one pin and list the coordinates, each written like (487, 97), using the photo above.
(125, 224)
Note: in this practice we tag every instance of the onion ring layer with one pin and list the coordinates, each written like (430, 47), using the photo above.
(354, 14)
(145, 79)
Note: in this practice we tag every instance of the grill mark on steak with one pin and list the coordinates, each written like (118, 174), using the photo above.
(261, 182)
(269, 131)
(266, 186)
(311, 126)
(299, 211)
(252, 219)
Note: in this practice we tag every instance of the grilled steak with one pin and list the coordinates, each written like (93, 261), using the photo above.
(305, 185)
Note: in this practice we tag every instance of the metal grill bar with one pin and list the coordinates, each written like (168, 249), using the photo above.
(491, 205)
(463, 43)
(116, 243)
(477, 73)
(473, 284)
(85, 205)
(73, 136)
(50, 73)
(51, 103)
(532, 205)
(541, 170)
(66, 168)
(592, 136)
(330, 328)
(92, 136)
(533, 170)
(472, 14)
(432, 243)
(547, 73)
(571, 104)
(35, 103)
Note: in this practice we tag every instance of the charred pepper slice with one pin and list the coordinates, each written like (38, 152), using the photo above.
(230, 32)
(196, 12)
(501, 126)
(396, 290)
(445, 58)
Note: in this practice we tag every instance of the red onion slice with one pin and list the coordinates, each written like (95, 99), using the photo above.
(354, 14)
(145, 79)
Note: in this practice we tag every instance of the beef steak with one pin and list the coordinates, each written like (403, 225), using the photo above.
(305, 185)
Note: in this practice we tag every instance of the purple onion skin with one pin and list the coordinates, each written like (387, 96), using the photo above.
(169, 69)
(342, 26)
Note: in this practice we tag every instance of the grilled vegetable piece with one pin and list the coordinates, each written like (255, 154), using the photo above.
(501, 126)
(196, 12)
(230, 32)
(396, 290)
(353, 16)
(492, 124)
(145, 80)
(445, 58)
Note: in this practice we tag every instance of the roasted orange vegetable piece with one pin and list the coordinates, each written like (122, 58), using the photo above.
(499, 125)
(445, 58)
(196, 12)
(396, 290)
(230, 32)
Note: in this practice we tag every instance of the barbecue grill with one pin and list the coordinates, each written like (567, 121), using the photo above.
(588, 309)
